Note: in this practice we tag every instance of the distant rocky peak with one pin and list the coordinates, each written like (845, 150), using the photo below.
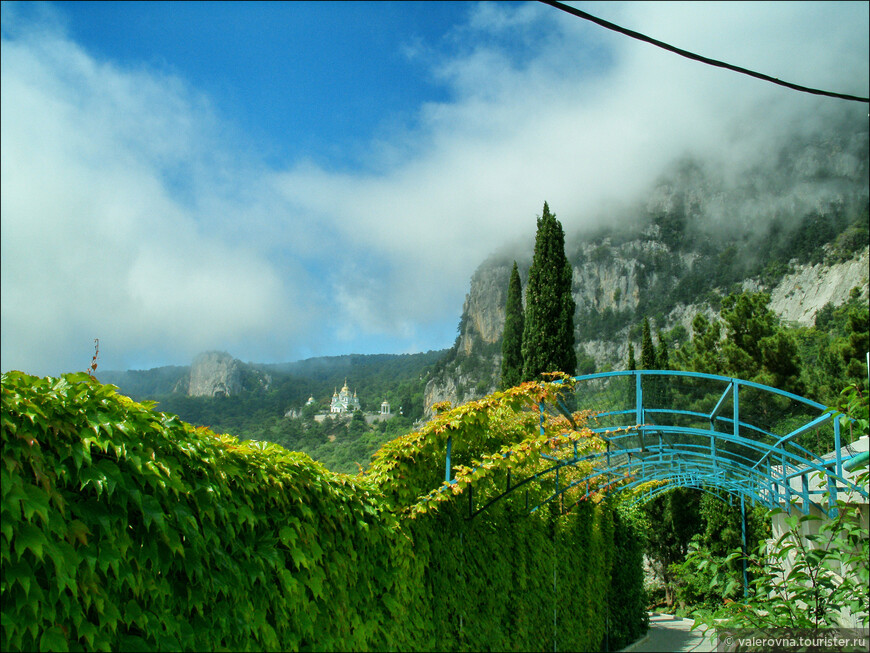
(484, 309)
(215, 374)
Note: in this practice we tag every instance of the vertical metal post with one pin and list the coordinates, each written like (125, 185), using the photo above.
(638, 393)
(832, 496)
(786, 482)
(774, 488)
(449, 449)
(736, 391)
(743, 533)
(713, 452)
(837, 445)
(541, 407)
(805, 493)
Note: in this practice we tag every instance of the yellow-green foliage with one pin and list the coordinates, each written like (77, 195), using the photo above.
(124, 528)
(506, 580)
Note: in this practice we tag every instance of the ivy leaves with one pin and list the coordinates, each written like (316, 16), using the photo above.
(123, 528)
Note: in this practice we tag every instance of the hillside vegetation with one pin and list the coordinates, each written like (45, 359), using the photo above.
(269, 391)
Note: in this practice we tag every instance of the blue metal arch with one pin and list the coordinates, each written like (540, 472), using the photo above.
(734, 450)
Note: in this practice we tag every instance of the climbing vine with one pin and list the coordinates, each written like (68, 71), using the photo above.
(127, 529)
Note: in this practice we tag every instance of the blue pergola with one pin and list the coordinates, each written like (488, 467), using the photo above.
(668, 429)
(688, 429)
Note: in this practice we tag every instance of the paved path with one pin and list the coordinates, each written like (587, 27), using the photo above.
(669, 633)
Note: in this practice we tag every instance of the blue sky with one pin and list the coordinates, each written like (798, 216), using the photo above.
(298, 79)
(285, 180)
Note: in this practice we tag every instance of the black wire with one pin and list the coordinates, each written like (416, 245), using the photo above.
(697, 57)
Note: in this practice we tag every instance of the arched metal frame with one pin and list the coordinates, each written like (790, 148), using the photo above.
(704, 431)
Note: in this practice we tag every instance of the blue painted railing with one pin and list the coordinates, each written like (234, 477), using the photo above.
(750, 451)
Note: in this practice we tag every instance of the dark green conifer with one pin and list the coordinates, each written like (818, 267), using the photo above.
(548, 334)
(512, 342)
(663, 359)
(663, 362)
(647, 349)
(854, 351)
(632, 364)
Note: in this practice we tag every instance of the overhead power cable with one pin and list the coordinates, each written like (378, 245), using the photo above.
(698, 57)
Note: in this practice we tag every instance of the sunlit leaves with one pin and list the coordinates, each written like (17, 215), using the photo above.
(505, 429)
(123, 528)
(107, 504)
(805, 577)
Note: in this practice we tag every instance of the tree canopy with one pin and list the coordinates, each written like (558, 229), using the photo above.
(647, 349)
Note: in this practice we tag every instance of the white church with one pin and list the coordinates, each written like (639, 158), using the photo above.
(344, 402)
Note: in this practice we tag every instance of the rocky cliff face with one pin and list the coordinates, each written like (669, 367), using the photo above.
(609, 276)
(612, 279)
(696, 236)
(484, 308)
(475, 365)
(802, 294)
(215, 374)
(458, 385)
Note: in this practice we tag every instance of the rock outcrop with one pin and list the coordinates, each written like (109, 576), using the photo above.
(459, 386)
(697, 235)
(214, 374)
(612, 278)
(484, 307)
(802, 294)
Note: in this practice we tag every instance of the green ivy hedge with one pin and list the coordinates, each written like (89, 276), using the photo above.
(128, 529)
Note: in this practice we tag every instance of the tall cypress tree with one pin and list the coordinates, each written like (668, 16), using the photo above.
(663, 362)
(548, 334)
(512, 342)
(663, 359)
(647, 349)
(632, 364)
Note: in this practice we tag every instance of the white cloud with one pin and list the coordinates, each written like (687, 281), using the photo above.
(126, 215)
(96, 241)
(524, 129)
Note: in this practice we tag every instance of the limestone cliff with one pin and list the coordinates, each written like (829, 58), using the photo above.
(484, 307)
(214, 374)
(459, 386)
(804, 292)
(612, 286)
(795, 226)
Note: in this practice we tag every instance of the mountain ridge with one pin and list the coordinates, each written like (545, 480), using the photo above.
(796, 228)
